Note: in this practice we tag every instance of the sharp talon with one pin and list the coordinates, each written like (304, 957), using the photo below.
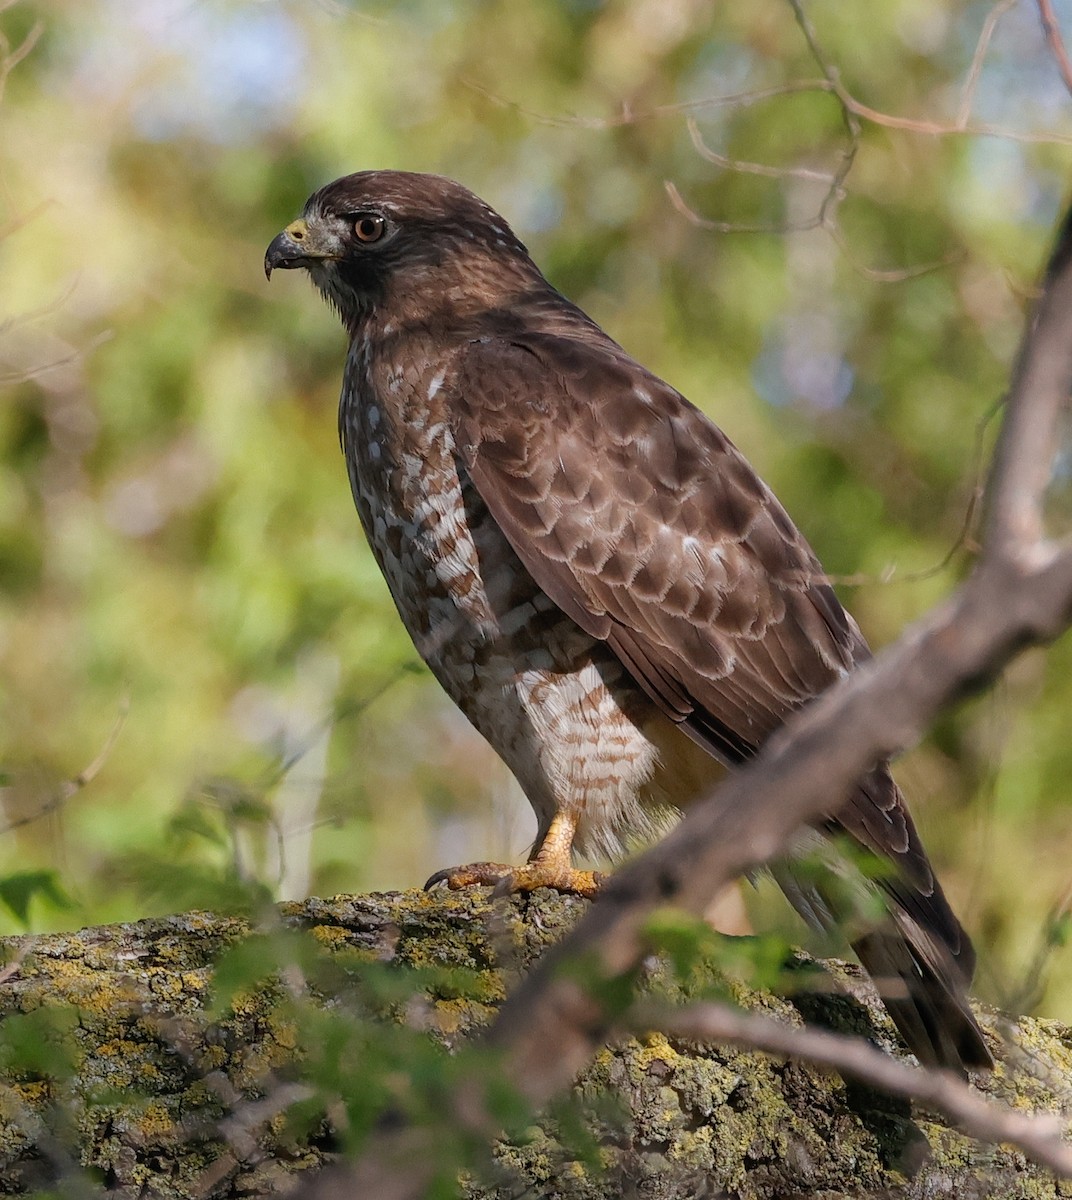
(505, 880)
(478, 874)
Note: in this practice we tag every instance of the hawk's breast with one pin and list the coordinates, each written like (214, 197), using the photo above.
(554, 702)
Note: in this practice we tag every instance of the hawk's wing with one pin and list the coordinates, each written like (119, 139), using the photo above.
(643, 523)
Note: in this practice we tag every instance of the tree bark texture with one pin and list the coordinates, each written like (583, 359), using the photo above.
(166, 1099)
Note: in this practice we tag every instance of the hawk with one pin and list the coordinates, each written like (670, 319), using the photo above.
(590, 568)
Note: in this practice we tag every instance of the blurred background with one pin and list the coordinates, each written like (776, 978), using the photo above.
(204, 689)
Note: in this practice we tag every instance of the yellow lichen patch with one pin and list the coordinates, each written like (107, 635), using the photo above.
(164, 984)
(285, 1035)
(121, 1063)
(487, 987)
(332, 937)
(275, 1046)
(194, 982)
(442, 900)
(950, 1149)
(77, 984)
(693, 1147)
(154, 1121)
(34, 1092)
(448, 1019)
(461, 1015)
(212, 1057)
(655, 1048)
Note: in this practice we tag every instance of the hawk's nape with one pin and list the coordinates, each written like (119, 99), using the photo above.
(589, 567)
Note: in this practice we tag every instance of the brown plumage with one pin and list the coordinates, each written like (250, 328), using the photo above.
(589, 567)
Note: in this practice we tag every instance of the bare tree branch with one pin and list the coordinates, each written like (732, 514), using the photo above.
(1023, 462)
(960, 126)
(1040, 1136)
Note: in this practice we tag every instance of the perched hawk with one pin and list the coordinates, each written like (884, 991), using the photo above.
(588, 565)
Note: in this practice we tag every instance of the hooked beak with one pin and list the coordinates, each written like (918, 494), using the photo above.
(296, 246)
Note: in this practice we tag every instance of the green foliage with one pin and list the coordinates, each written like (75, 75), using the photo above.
(377, 1050)
(40, 1045)
(175, 524)
(19, 889)
(703, 964)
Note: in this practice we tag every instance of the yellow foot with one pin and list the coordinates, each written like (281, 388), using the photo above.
(506, 879)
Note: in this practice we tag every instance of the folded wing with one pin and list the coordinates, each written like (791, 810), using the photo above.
(643, 523)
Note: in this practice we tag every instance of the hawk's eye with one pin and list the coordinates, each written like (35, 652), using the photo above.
(369, 227)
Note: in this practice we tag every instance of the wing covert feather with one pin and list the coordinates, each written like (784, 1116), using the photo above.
(644, 523)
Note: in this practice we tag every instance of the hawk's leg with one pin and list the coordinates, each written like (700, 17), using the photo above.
(550, 866)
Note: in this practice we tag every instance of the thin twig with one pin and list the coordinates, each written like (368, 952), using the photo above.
(834, 85)
(342, 712)
(71, 787)
(826, 216)
(11, 378)
(750, 168)
(967, 96)
(965, 539)
(1053, 36)
(1051, 937)
(627, 116)
(885, 274)
(19, 222)
(691, 215)
(12, 58)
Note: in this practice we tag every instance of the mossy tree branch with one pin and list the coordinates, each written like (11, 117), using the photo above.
(150, 1084)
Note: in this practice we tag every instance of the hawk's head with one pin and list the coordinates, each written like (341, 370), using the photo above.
(410, 241)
